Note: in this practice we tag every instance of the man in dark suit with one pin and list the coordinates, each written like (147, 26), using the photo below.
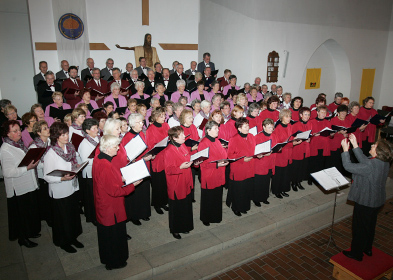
(192, 69)
(122, 83)
(150, 82)
(87, 71)
(106, 72)
(173, 78)
(224, 80)
(158, 72)
(127, 74)
(98, 84)
(47, 88)
(193, 84)
(72, 83)
(206, 62)
(143, 67)
(208, 78)
(174, 64)
(133, 80)
(63, 73)
(43, 66)
(165, 77)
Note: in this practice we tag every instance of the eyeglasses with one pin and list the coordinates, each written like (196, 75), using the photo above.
(12, 114)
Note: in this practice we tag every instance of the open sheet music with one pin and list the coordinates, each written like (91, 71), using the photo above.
(303, 135)
(330, 178)
(263, 148)
(253, 131)
(201, 155)
(135, 172)
(61, 173)
(135, 147)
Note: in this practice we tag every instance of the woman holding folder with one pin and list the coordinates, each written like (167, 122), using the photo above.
(63, 190)
(109, 202)
(212, 175)
(137, 204)
(179, 180)
(57, 103)
(155, 133)
(242, 171)
(230, 126)
(20, 186)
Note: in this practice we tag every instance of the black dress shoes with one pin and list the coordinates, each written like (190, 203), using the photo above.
(166, 208)
(299, 186)
(158, 210)
(309, 181)
(294, 187)
(77, 244)
(206, 224)
(146, 219)
(348, 254)
(36, 236)
(278, 196)
(136, 222)
(110, 267)
(237, 213)
(68, 249)
(284, 194)
(193, 201)
(265, 202)
(243, 212)
(128, 237)
(257, 204)
(368, 253)
(176, 235)
(26, 242)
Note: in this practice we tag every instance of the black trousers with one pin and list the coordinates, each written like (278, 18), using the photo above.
(180, 215)
(88, 206)
(211, 205)
(261, 188)
(364, 221)
(281, 180)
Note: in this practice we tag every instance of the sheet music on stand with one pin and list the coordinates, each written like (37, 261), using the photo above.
(330, 178)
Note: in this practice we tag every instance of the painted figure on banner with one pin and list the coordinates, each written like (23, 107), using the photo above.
(146, 51)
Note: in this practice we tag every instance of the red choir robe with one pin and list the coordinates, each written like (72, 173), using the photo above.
(179, 181)
(154, 135)
(211, 175)
(264, 164)
(367, 114)
(128, 137)
(238, 147)
(252, 121)
(319, 142)
(71, 98)
(265, 114)
(302, 150)
(333, 107)
(295, 114)
(109, 192)
(193, 134)
(230, 129)
(335, 143)
(282, 133)
(102, 88)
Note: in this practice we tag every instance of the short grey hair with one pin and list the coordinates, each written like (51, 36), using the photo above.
(210, 124)
(183, 98)
(286, 94)
(109, 59)
(180, 82)
(195, 101)
(338, 94)
(198, 75)
(176, 106)
(114, 85)
(177, 65)
(217, 95)
(205, 103)
(134, 118)
(284, 113)
(253, 106)
(110, 126)
(267, 95)
(153, 99)
(48, 73)
(150, 71)
(353, 104)
(278, 87)
(139, 84)
(158, 84)
(95, 69)
(108, 141)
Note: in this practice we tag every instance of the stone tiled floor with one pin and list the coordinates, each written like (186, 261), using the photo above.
(307, 258)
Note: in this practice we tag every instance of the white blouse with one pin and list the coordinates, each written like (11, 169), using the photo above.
(197, 122)
(57, 188)
(18, 180)
(85, 149)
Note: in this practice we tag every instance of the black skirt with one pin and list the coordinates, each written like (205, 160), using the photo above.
(299, 170)
(335, 160)
(240, 193)
(262, 185)
(88, 201)
(180, 215)
(23, 215)
(318, 162)
(281, 180)
(137, 203)
(211, 205)
(66, 220)
(45, 202)
(159, 193)
(112, 244)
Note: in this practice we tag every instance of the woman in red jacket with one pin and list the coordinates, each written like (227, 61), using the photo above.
(271, 112)
(230, 128)
(138, 202)
(109, 202)
(296, 104)
(155, 133)
(242, 172)
(212, 175)
(265, 166)
(301, 152)
(179, 180)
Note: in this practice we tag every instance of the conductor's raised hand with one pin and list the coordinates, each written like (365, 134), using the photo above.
(345, 144)
(353, 140)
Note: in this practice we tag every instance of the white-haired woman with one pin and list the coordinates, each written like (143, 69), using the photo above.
(138, 203)
(117, 99)
(203, 114)
(109, 202)
(140, 86)
(177, 109)
(181, 86)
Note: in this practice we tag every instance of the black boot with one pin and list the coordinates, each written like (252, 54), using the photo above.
(294, 187)
(299, 186)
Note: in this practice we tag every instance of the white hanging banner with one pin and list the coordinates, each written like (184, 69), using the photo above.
(72, 37)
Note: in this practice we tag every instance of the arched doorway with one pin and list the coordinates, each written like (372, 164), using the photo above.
(335, 74)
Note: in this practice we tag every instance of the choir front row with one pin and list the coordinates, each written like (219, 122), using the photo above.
(109, 204)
